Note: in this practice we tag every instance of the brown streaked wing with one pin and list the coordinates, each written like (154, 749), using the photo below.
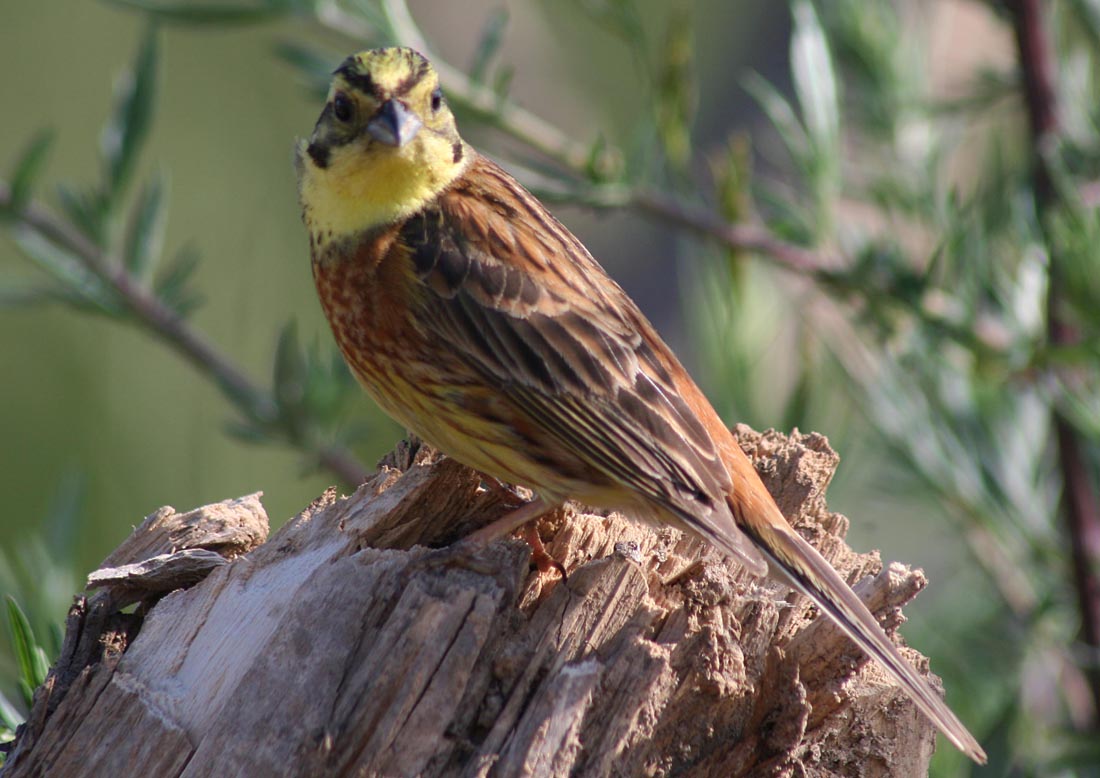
(525, 305)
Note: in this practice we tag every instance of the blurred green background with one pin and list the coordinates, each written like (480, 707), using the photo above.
(107, 405)
(887, 136)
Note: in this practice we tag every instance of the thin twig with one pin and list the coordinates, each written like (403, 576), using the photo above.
(753, 238)
(1080, 501)
(170, 327)
(686, 216)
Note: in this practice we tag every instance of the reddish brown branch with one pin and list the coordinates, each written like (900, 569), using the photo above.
(1080, 502)
(740, 237)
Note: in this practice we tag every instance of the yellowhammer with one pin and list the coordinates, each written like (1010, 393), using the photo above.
(478, 321)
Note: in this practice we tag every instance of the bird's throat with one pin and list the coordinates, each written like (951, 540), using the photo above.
(353, 194)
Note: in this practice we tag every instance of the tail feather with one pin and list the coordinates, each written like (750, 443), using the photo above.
(809, 572)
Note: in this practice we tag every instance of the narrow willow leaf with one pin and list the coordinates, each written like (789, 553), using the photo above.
(1088, 15)
(57, 638)
(51, 258)
(86, 209)
(131, 118)
(146, 236)
(814, 78)
(10, 718)
(488, 46)
(780, 114)
(675, 99)
(173, 284)
(797, 405)
(23, 642)
(290, 369)
(77, 285)
(29, 168)
(27, 296)
(40, 664)
(502, 82)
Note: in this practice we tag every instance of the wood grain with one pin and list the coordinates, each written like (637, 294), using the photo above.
(346, 646)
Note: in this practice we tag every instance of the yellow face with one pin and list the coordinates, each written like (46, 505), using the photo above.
(385, 145)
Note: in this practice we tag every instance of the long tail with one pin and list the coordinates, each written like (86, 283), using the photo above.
(806, 570)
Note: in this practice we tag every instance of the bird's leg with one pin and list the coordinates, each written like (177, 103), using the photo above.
(539, 555)
(509, 522)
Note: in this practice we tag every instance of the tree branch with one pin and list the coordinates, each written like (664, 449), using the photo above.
(171, 328)
(544, 138)
(753, 238)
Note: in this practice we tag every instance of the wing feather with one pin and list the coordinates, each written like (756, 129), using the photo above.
(525, 305)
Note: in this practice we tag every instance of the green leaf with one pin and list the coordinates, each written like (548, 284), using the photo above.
(488, 46)
(57, 638)
(52, 259)
(28, 169)
(41, 664)
(329, 386)
(603, 164)
(128, 127)
(674, 106)
(27, 296)
(1088, 19)
(32, 667)
(27, 691)
(215, 14)
(173, 285)
(780, 113)
(77, 285)
(10, 717)
(87, 209)
(290, 371)
(502, 82)
(814, 79)
(146, 237)
(796, 408)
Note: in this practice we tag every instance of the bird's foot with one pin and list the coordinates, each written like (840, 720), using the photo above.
(527, 513)
(540, 557)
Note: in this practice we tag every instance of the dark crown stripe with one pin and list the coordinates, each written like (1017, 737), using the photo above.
(354, 77)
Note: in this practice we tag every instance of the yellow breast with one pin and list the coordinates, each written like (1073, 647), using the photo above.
(358, 190)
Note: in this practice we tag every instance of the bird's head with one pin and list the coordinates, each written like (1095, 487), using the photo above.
(384, 146)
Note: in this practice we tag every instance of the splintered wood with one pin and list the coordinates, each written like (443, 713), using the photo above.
(345, 646)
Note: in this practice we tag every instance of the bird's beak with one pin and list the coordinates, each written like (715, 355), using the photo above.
(394, 124)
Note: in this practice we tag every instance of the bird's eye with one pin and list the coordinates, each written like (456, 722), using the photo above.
(437, 99)
(342, 108)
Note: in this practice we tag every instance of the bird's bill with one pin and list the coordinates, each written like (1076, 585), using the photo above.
(394, 124)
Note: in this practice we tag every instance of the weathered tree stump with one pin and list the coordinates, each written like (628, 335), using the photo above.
(343, 646)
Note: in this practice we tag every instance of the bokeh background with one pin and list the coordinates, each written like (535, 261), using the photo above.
(105, 409)
(102, 423)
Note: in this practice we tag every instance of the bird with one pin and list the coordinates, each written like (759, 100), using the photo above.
(479, 322)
